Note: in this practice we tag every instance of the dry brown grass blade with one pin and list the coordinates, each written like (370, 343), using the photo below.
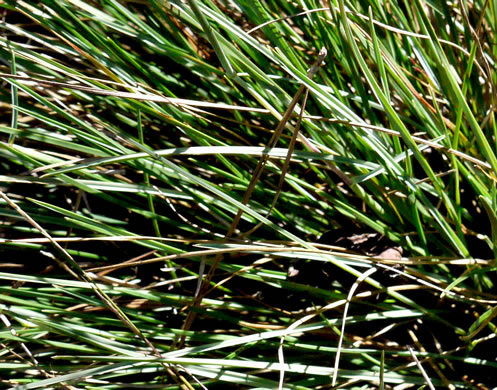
(286, 164)
(273, 141)
(201, 292)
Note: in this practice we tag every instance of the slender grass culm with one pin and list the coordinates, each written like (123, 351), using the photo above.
(195, 195)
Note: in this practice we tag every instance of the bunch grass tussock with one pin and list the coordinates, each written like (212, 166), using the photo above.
(248, 194)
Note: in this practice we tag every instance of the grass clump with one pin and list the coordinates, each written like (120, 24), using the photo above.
(196, 194)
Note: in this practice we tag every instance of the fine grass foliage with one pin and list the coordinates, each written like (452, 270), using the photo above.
(191, 197)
